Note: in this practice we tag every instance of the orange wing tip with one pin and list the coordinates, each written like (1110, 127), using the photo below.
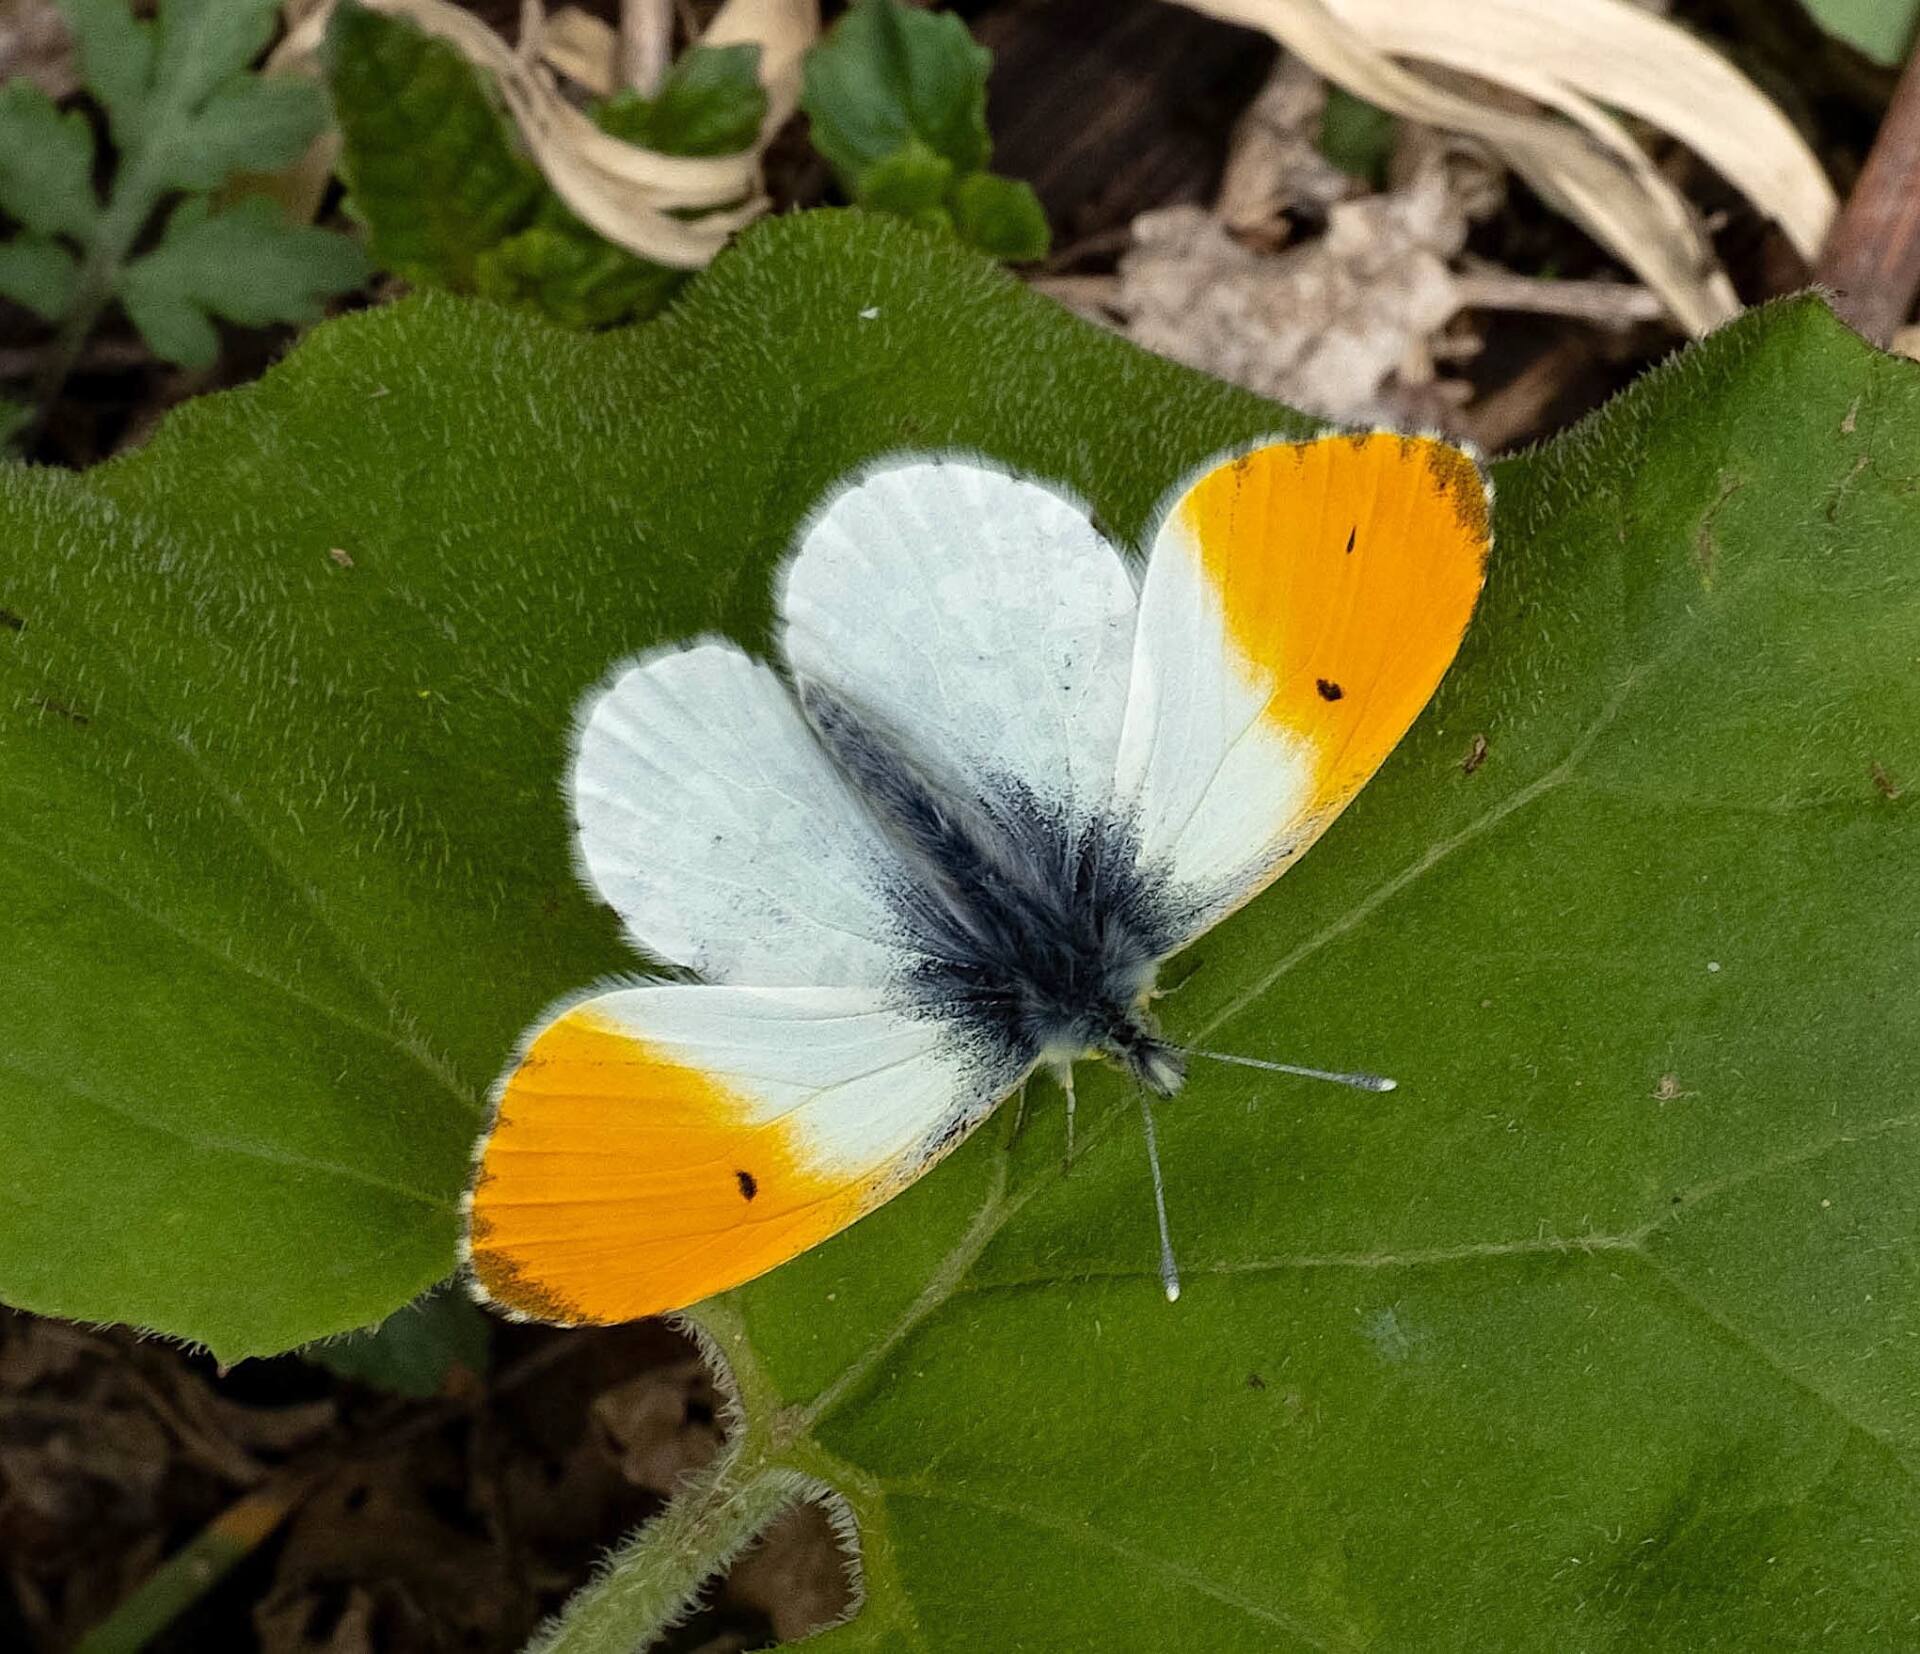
(617, 1182)
(1456, 468)
(1346, 569)
(492, 1277)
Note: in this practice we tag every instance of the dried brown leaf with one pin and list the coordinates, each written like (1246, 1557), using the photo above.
(1340, 326)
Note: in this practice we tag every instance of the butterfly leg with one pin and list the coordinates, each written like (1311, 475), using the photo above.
(1019, 1115)
(1063, 1076)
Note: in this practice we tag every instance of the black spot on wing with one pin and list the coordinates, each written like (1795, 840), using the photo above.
(1329, 690)
(749, 1184)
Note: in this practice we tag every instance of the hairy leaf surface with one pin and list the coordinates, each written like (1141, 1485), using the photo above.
(1602, 1332)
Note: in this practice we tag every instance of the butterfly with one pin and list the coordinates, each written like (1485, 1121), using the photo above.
(999, 781)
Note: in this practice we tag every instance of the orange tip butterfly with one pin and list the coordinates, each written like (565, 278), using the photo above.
(998, 783)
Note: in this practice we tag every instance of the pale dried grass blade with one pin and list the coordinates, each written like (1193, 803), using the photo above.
(587, 51)
(305, 22)
(1623, 56)
(646, 43)
(1586, 164)
(1603, 303)
(582, 47)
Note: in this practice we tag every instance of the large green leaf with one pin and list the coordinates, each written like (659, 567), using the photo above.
(1602, 1332)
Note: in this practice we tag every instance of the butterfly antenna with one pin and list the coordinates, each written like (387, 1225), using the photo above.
(1359, 1082)
(1169, 1270)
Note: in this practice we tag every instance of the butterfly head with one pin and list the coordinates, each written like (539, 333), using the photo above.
(1135, 1046)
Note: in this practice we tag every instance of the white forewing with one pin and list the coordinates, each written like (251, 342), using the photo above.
(977, 618)
(1205, 775)
(713, 823)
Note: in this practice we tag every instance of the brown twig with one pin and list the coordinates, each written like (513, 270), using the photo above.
(1872, 258)
(1604, 303)
(646, 43)
(100, 355)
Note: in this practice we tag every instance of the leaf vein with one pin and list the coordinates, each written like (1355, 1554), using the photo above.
(1747, 1340)
(209, 780)
(1078, 1530)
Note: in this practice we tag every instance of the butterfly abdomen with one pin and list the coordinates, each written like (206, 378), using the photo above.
(1035, 925)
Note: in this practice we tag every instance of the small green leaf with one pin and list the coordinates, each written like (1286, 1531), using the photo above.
(254, 122)
(1356, 136)
(711, 103)
(886, 74)
(202, 43)
(46, 163)
(186, 114)
(39, 274)
(429, 166)
(910, 181)
(898, 101)
(116, 60)
(414, 1350)
(184, 100)
(246, 265)
(567, 272)
(1000, 216)
(1883, 29)
(174, 326)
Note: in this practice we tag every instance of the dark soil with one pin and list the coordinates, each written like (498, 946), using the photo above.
(455, 1523)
